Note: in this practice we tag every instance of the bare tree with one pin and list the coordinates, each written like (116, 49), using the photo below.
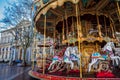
(19, 13)
(23, 36)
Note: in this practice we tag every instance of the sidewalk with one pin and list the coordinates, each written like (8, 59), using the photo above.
(12, 72)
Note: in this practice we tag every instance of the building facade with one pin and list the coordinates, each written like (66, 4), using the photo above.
(11, 46)
(5, 44)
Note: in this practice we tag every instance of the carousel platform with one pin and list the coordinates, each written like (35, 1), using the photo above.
(41, 76)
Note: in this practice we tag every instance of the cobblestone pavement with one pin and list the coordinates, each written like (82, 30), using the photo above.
(14, 72)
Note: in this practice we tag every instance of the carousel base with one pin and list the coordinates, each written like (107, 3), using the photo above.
(41, 76)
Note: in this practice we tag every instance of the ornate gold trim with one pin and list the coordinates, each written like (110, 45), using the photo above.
(52, 4)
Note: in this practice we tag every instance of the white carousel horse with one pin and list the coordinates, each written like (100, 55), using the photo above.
(71, 54)
(108, 48)
(56, 58)
(94, 58)
(94, 32)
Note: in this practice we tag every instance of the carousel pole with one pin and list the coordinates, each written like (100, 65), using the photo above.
(118, 10)
(113, 25)
(80, 28)
(66, 21)
(54, 42)
(33, 50)
(98, 25)
(44, 52)
(105, 27)
(97, 47)
(66, 26)
(73, 27)
(54, 33)
(78, 31)
(34, 33)
(63, 36)
(112, 29)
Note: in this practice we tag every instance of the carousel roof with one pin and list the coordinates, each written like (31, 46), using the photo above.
(56, 10)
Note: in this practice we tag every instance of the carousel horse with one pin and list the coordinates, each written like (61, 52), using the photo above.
(94, 59)
(70, 55)
(58, 67)
(108, 49)
(57, 58)
(94, 32)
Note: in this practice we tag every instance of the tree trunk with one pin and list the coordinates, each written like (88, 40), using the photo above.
(24, 57)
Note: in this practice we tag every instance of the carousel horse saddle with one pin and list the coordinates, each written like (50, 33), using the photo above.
(96, 55)
(105, 57)
(73, 57)
(56, 58)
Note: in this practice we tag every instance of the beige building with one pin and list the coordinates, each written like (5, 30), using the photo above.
(9, 47)
(12, 49)
(5, 45)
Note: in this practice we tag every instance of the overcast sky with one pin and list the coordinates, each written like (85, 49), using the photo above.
(3, 3)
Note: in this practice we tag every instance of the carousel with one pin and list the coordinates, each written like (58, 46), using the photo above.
(84, 39)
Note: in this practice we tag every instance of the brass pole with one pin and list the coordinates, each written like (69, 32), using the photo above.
(112, 22)
(54, 42)
(34, 49)
(73, 29)
(73, 26)
(63, 30)
(66, 23)
(98, 25)
(54, 34)
(97, 47)
(118, 11)
(44, 52)
(105, 27)
(78, 29)
(112, 29)
(86, 28)
(32, 59)
(66, 26)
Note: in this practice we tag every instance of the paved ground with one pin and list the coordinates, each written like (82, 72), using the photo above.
(14, 72)
(21, 73)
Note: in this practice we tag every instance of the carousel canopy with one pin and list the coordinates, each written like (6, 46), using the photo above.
(62, 13)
